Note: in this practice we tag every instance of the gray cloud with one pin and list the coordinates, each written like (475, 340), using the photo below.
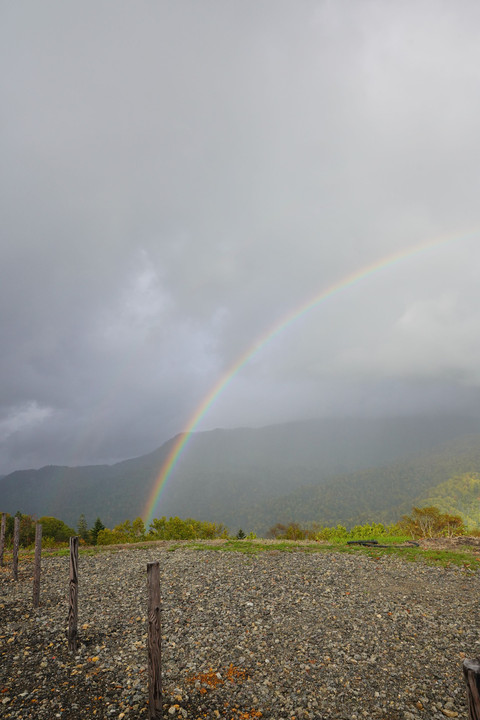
(177, 178)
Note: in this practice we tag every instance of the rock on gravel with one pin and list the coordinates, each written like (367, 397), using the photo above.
(275, 635)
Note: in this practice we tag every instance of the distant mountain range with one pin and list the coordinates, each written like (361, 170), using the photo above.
(329, 471)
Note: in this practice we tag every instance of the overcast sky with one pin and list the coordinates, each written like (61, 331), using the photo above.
(176, 177)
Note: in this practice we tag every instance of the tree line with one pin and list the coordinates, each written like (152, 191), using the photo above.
(55, 531)
(423, 522)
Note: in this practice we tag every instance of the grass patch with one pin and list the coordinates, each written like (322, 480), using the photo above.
(65, 552)
(445, 558)
(381, 539)
(453, 557)
(172, 548)
(28, 553)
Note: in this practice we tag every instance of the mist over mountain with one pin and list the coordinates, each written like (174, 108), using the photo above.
(384, 493)
(329, 470)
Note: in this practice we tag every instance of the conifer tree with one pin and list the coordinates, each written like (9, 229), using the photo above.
(98, 525)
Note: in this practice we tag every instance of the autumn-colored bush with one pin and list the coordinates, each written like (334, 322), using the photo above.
(429, 522)
(292, 531)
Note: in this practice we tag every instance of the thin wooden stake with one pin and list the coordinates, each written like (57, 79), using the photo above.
(37, 565)
(471, 673)
(16, 544)
(2, 537)
(154, 643)
(73, 596)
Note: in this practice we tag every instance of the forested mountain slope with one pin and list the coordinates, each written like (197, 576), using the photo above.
(458, 495)
(329, 470)
(386, 492)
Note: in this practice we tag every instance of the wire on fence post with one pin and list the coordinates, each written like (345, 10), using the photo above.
(16, 543)
(73, 596)
(37, 565)
(154, 643)
(2, 537)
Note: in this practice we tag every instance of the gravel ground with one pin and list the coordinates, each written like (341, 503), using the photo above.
(274, 635)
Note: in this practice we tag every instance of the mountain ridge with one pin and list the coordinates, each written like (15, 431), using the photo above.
(311, 470)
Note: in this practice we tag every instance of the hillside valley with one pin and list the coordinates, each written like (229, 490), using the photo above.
(329, 471)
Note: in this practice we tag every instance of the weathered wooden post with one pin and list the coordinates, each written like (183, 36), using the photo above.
(73, 596)
(471, 673)
(154, 643)
(16, 543)
(2, 537)
(37, 565)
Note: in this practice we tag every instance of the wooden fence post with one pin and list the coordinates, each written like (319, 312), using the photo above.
(73, 596)
(37, 565)
(16, 543)
(471, 673)
(154, 643)
(2, 537)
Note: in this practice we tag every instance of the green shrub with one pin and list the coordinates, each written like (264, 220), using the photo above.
(332, 534)
(56, 529)
(177, 529)
(49, 543)
(111, 537)
(338, 534)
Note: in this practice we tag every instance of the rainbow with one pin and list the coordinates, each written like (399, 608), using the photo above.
(280, 326)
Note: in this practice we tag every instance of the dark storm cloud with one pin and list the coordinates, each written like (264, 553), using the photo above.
(176, 178)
